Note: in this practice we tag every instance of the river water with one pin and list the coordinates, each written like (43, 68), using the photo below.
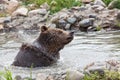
(84, 49)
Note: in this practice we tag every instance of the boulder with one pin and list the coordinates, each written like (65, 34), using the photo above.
(71, 20)
(85, 23)
(41, 76)
(12, 6)
(99, 2)
(74, 75)
(20, 11)
(37, 11)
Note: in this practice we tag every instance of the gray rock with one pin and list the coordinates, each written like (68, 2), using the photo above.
(31, 6)
(86, 1)
(74, 75)
(54, 19)
(18, 77)
(37, 11)
(61, 24)
(20, 11)
(83, 8)
(63, 15)
(61, 21)
(45, 6)
(99, 71)
(118, 16)
(99, 2)
(86, 22)
(5, 19)
(41, 76)
(12, 6)
(67, 27)
(52, 26)
(97, 7)
(71, 20)
(92, 16)
(2, 7)
(92, 28)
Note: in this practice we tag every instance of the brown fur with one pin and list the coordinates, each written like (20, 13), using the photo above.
(44, 51)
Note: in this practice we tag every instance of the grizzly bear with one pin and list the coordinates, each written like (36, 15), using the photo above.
(44, 51)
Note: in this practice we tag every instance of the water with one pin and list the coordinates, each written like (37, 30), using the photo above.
(84, 49)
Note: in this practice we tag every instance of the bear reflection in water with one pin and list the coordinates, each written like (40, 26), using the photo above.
(44, 51)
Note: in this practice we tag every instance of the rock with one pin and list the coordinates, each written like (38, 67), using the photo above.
(20, 11)
(67, 27)
(27, 78)
(1, 26)
(54, 19)
(5, 19)
(83, 8)
(52, 25)
(87, 1)
(12, 6)
(84, 24)
(2, 7)
(97, 8)
(71, 20)
(41, 76)
(94, 28)
(99, 71)
(45, 6)
(99, 2)
(61, 24)
(31, 6)
(50, 78)
(118, 16)
(2, 19)
(74, 75)
(63, 15)
(18, 77)
(93, 16)
(37, 11)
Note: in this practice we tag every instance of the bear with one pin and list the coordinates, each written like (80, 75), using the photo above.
(44, 51)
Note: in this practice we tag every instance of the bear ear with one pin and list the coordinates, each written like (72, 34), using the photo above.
(43, 28)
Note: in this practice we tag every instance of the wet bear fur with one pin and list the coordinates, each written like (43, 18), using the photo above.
(44, 51)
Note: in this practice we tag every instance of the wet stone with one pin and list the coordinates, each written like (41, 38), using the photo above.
(86, 22)
(93, 16)
(61, 24)
(71, 20)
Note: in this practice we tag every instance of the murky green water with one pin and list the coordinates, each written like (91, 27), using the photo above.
(84, 49)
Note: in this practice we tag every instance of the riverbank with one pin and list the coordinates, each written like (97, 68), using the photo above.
(91, 17)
